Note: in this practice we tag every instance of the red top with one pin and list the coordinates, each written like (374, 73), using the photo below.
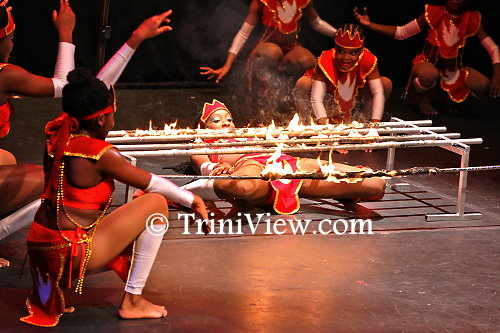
(449, 32)
(344, 85)
(283, 14)
(94, 197)
(6, 112)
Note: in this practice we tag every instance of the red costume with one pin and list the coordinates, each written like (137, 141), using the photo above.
(344, 85)
(283, 14)
(285, 197)
(52, 251)
(6, 112)
(444, 47)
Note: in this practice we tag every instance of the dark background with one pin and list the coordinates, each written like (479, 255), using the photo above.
(204, 29)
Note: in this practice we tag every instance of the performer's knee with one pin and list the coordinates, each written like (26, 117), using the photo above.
(375, 189)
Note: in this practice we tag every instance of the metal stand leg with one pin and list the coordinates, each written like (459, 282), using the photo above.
(460, 215)
(128, 191)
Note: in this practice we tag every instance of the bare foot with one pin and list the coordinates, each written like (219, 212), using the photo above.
(136, 307)
(426, 107)
(4, 263)
(69, 309)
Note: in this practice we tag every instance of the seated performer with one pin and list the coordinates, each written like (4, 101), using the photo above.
(72, 236)
(449, 27)
(282, 194)
(278, 60)
(350, 76)
(21, 184)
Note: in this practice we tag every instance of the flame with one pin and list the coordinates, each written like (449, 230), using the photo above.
(295, 124)
(372, 132)
(270, 130)
(169, 128)
(328, 169)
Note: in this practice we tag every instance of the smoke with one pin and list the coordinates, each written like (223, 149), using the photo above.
(208, 27)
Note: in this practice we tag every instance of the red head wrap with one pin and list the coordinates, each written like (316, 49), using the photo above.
(58, 132)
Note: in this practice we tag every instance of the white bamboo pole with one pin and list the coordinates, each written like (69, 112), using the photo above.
(378, 145)
(340, 139)
(215, 135)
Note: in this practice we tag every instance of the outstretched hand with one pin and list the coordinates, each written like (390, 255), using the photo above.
(4, 3)
(222, 168)
(218, 74)
(64, 21)
(153, 27)
(363, 19)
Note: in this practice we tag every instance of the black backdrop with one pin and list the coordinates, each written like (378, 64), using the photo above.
(203, 31)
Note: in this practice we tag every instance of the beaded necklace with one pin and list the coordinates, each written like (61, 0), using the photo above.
(85, 239)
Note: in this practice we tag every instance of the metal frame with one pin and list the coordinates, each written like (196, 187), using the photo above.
(128, 192)
(448, 143)
(458, 148)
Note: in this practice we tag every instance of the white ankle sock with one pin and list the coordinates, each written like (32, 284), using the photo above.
(146, 247)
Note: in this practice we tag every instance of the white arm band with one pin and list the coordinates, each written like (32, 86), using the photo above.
(64, 64)
(318, 92)
(111, 72)
(206, 168)
(378, 98)
(241, 37)
(407, 30)
(492, 49)
(170, 191)
(323, 27)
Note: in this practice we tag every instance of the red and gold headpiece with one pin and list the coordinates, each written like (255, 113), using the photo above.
(349, 40)
(10, 25)
(210, 108)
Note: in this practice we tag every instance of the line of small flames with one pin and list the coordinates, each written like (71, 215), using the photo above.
(294, 125)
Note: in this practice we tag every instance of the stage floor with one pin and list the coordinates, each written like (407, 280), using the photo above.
(408, 276)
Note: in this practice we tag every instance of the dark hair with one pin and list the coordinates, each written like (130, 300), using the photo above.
(4, 18)
(353, 28)
(84, 94)
(197, 120)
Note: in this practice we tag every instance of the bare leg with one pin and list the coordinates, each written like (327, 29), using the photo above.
(114, 233)
(6, 158)
(478, 83)
(19, 185)
(368, 188)
(293, 67)
(426, 76)
(253, 191)
(264, 80)
(302, 98)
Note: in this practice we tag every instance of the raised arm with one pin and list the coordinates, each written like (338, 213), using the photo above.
(112, 163)
(493, 50)
(398, 32)
(16, 80)
(149, 28)
(321, 26)
(237, 44)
